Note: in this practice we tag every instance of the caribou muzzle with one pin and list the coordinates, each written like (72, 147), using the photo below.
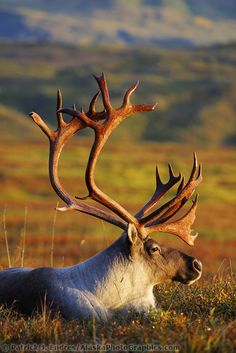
(191, 273)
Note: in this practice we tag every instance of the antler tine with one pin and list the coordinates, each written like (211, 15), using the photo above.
(60, 119)
(39, 121)
(126, 100)
(102, 83)
(160, 191)
(92, 109)
(127, 108)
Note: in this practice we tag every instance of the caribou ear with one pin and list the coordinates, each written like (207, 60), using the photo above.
(132, 233)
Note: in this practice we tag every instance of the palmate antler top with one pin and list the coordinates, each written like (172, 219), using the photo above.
(103, 123)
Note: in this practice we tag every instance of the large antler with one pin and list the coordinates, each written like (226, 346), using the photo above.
(57, 140)
(103, 123)
(111, 118)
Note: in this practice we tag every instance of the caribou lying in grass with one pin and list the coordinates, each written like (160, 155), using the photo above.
(122, 276)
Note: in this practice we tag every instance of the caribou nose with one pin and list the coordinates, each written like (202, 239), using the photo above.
(197, 265)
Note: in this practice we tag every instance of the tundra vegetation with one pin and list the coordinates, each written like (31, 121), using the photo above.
(200, 317)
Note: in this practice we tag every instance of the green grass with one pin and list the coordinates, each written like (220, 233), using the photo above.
(200, 318)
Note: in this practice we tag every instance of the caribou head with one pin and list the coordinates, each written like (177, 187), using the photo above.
(123, 275)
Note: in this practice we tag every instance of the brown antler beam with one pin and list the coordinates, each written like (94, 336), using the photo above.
(102, 131)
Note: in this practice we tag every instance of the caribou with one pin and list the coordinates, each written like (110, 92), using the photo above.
(121, 277)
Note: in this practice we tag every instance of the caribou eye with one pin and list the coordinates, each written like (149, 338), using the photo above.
(154, 249)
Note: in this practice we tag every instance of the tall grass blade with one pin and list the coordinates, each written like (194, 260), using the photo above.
(5, 236)
(23, 236)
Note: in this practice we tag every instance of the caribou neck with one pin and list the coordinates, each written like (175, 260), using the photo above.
(115, 279)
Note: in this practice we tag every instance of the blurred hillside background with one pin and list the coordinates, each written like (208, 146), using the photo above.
(183, 52)
(184, 55)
